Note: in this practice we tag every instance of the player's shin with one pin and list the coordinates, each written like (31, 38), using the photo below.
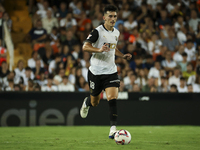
(113, 112)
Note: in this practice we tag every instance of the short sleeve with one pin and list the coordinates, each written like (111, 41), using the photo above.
(93, 36)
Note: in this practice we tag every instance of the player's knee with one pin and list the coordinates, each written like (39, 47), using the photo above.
(110, 97)
(95, 103)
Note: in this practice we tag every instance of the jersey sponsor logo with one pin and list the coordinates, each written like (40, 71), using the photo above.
(89, 36)
(92, 85)
(104, 36)
(111, 45)
(116, 38)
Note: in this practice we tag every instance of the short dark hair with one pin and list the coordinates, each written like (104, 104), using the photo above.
(28, 69)
(110, 8)
(184, 54)
(173, 86)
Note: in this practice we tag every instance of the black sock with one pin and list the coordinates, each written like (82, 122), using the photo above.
(113, 111)
(88, 102)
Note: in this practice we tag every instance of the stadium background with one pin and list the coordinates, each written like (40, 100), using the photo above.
(47, 36)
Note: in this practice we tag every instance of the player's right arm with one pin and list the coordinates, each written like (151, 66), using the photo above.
(87, 47)
(92, 38)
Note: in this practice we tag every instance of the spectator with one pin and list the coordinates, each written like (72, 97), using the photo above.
(38, 68)
(66, 86)
(27, 75)
(70, 40)
(136, 64)
(173, 88)
(58, 78)
(183, 63)
(77, 9)
(150, 86)
(37, 88)
(164, 20)
(130, 23)
(30, 86)
(94, 13)
(168, 64)
(139, 51)
(32, 61)
(47, 47)
(136, 88)
(181, 35)
(4, 70)
(62, 11)
(20, 70)
(42, 79)
(76, 51)
(189, 72)
(193, 22)
(190, 50)
(154, 45)
(171, 42)
(69, 22)
(149, 63)
(49, 87)
(72, 76)
(177, 57)
(190, 88)
(10, 86)
(53, 63)
(154, 71)
(179, 23)
(160, 57)
(49, 22)
(125, 11)
(43, 8)
(17, 87)
(142, 78)
(163, 87)
(98, 20)
(182, 88)
(81, 84)
(37, 34)
(122, 86)
(152, 3)
(129, 86)
(175, 79)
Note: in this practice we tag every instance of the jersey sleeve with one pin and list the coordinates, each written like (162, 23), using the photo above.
(93, 36)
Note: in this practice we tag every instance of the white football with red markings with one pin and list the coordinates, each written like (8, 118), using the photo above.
(122, 137)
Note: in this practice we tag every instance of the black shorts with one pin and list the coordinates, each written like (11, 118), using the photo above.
(97, 83)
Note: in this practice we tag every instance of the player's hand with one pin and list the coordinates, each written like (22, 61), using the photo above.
(127, 56)
(104, 48)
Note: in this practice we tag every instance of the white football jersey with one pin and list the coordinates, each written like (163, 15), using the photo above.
(103, 63)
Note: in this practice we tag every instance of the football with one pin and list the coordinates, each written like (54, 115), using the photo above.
(122, 137)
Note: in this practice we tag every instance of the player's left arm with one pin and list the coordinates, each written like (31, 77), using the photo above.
(124, 56)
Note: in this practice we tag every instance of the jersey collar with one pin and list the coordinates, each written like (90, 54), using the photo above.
(106, 29)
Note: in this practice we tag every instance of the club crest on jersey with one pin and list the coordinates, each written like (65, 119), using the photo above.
(111, 45)
(116, 38)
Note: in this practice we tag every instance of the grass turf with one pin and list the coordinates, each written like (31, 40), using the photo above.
(96, 138)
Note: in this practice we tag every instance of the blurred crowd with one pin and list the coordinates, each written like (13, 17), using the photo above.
(162, 35)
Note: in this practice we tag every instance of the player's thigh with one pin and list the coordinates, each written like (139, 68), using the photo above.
(112, 93)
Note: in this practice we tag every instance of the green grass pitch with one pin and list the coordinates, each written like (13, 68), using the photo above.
(96, 138)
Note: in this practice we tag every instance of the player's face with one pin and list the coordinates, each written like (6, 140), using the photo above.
(110, 18)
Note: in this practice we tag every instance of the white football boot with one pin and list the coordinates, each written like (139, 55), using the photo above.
(84, 109)
(113, 130)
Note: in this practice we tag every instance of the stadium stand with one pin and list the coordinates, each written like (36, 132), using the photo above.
(163, 36)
